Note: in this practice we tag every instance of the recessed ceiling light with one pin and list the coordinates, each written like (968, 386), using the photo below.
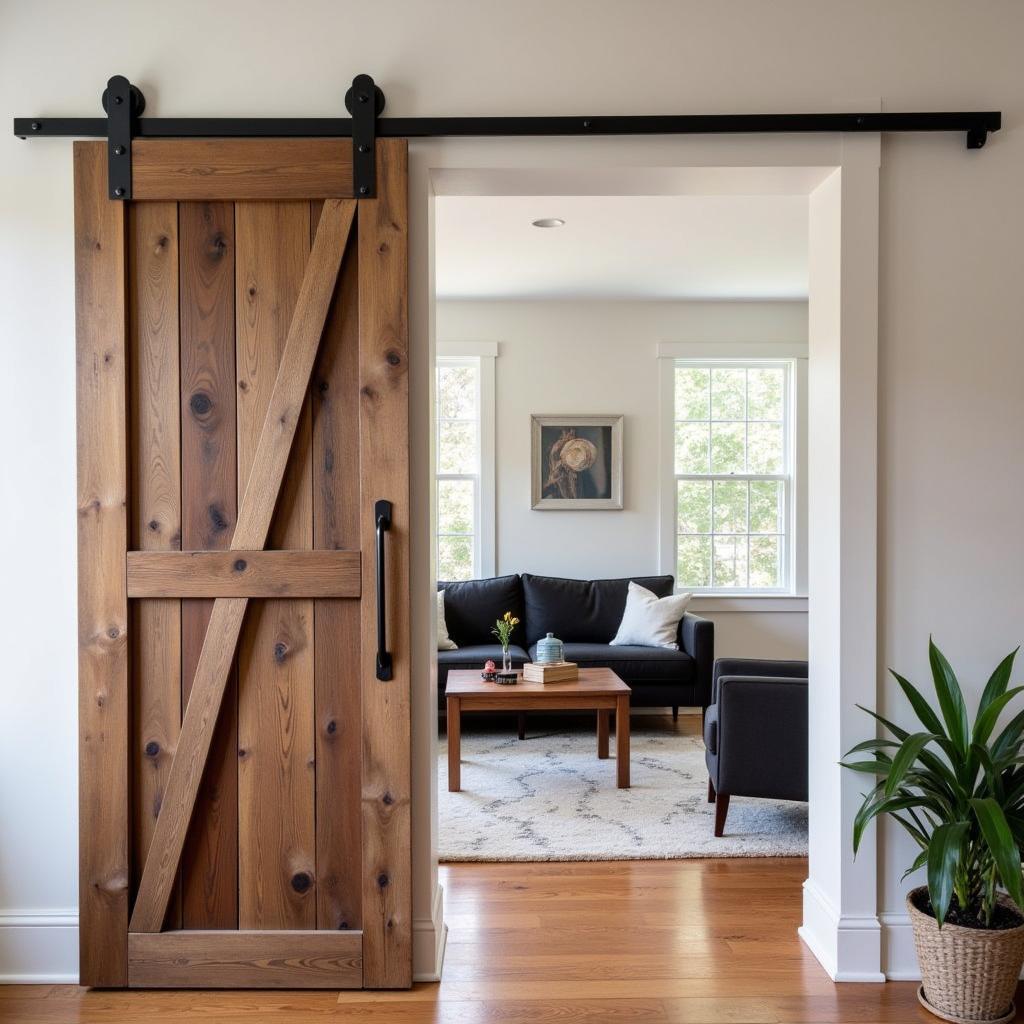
(549, 222)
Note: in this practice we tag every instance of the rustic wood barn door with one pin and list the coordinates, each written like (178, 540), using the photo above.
(242, 409)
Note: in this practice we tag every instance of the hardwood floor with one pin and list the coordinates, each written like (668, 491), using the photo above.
(665, 942)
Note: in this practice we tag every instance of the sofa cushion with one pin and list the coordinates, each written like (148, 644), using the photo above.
(579, 611)
(471, 608)
(640, 664)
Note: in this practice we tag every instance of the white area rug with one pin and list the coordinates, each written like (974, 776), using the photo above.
(548, 797)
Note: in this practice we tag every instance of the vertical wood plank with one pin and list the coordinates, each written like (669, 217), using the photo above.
(209, 866)
(384, 461)
(103, 790)
(335, 406)
(276, 771)
(155, 509)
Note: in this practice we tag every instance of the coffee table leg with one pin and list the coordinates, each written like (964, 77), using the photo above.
(603, 718)
(622, 741)
(454, 745)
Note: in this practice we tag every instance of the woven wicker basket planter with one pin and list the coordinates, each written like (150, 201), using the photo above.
(968, 975)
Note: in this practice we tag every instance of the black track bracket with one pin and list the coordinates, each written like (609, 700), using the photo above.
(365, 102)
(123, 104)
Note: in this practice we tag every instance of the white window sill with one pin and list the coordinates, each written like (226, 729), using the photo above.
(747, 603)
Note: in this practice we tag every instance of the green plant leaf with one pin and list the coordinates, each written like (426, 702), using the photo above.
(874, 805)
(868, 767)
(951, 698)
(876, 746)
(943, 856)
(997, 683)
(1008, 741)
(986, 720)
(905, 757)
(1005, 853)
(900, 734)
(919, 862)
(921, 707)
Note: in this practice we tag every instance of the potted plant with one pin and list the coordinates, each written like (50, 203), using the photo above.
(959, 793)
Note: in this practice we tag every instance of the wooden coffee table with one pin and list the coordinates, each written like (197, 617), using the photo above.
(597, 689)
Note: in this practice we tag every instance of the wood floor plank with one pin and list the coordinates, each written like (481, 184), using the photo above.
(209, 863)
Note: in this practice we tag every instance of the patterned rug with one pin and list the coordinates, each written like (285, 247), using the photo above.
(548, 797)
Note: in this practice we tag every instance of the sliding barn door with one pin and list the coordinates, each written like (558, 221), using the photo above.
(242, 480)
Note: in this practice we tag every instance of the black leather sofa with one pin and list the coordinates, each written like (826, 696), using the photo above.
(585, 616)
(745, 758)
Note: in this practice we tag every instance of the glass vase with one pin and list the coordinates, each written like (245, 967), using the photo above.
(506, 660)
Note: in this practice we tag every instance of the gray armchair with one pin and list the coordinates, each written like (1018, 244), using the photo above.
(755, 732)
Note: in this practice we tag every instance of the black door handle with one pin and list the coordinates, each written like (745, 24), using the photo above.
(382, 515)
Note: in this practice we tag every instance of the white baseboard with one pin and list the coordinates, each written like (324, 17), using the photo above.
(847, 946)
(429, 938)
(39, 947)
(899, 958)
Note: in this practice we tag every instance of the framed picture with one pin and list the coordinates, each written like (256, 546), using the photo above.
(577, 462)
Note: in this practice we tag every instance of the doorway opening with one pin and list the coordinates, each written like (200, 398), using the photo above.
(823, 180)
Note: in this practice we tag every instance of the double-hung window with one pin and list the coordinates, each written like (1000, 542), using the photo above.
(733, 447)
(458, 468)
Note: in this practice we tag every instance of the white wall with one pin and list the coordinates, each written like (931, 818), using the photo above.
(951, 305)
(560, 357)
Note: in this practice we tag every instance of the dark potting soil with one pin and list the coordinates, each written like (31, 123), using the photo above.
(1002, 917)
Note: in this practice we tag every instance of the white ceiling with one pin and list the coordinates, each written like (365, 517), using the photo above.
(622, 247)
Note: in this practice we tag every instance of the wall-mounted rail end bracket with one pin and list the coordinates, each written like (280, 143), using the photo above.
(123, 103)
(365, 102)
(976, 137)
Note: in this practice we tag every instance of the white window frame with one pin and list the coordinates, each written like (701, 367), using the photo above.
(794, 553)
(482, 356)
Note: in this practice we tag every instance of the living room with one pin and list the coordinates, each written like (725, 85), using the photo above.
(665, 338)
(226, 784)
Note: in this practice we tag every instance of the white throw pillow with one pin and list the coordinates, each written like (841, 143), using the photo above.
(444, 641)
(650, 621)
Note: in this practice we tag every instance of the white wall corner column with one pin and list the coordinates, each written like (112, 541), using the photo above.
(840, 922)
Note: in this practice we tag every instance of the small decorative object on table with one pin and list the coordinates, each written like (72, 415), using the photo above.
(507, 678)
(549, 650)
(503, 631)
(551, 672)
(490, 671)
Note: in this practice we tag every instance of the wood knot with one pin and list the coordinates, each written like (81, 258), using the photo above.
(200, 403)
(391, 923)
(153, 525)
(242, 753)
(280, 652)
(240, 565)
(382, 248)
(252, 291)
(388, 799)
(152, 748)
(218, 520)
(243, 385)
(382, 880)
(322, 386)
(161, 242)
(301, 881)
(113, 632)
(332, 727)
(218, 246)
(343, 926)
(393, 357)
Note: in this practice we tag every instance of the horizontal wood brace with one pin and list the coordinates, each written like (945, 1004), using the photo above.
(245, 959)
(244, 574)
